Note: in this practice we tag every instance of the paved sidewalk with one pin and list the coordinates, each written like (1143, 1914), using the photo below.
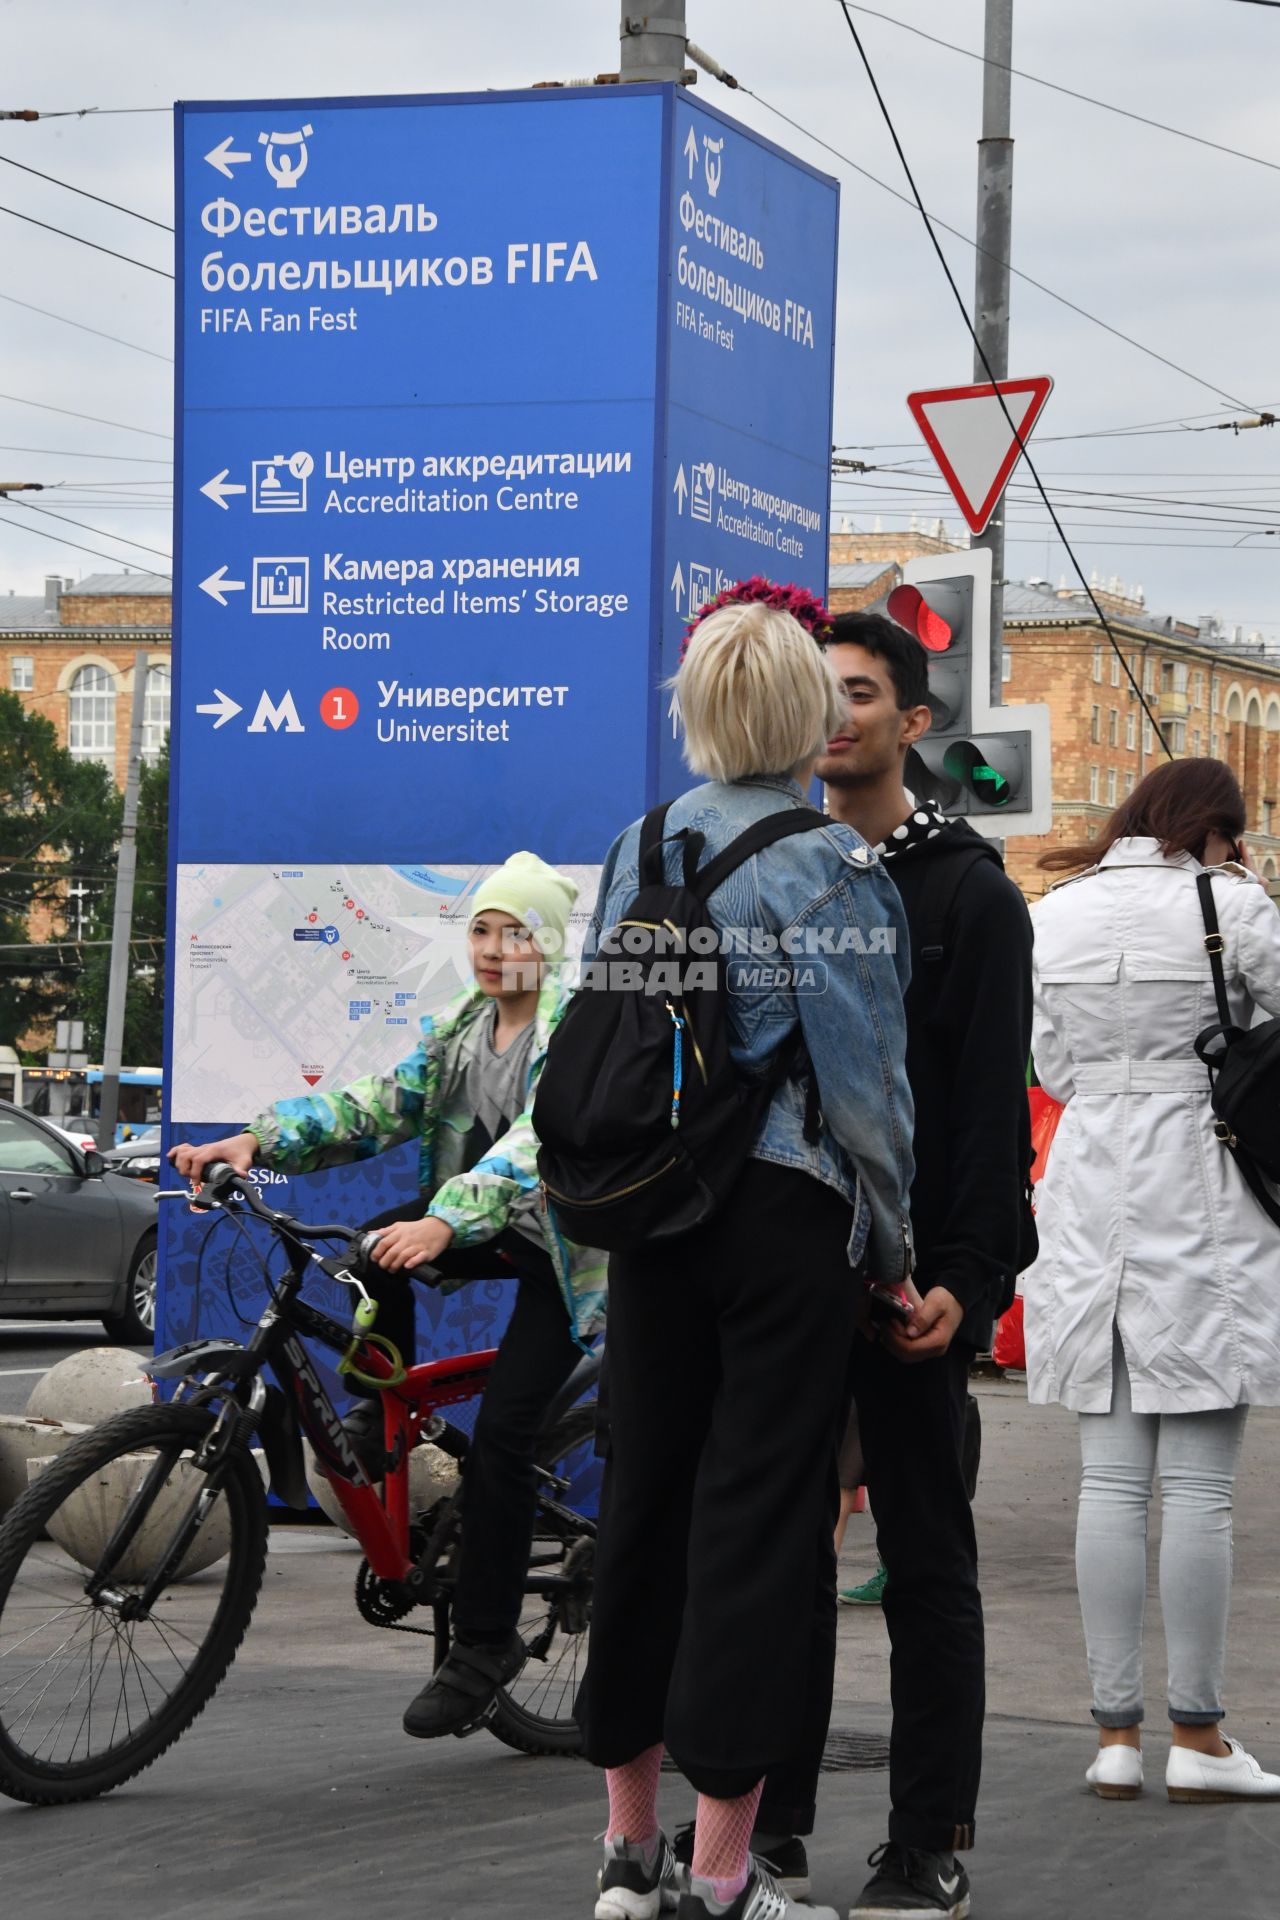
(296, 1794)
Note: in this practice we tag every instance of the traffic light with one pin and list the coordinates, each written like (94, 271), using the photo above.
(983, 762)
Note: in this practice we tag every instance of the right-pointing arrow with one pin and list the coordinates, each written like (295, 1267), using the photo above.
(224, 706)
(219, 487)
(217, 586)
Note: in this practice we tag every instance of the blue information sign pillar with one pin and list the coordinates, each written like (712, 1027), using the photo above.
(480, 397)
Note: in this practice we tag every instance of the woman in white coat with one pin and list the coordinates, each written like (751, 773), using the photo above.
(1153, 1310)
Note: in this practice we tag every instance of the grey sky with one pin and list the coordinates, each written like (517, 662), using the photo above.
(1168, 241)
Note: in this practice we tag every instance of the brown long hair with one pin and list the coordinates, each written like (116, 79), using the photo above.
(1179, 804)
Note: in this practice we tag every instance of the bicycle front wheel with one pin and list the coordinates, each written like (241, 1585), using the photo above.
(94, 1685)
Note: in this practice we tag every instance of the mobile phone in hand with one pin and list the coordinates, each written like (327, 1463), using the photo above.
(889, 1304)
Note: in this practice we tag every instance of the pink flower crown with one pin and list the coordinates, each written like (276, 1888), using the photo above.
(797, 601)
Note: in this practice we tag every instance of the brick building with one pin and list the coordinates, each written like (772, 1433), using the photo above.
(68, 654)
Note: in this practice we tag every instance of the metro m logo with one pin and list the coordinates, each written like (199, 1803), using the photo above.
(273, 715)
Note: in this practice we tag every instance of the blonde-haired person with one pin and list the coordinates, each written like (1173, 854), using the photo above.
(729, 1347)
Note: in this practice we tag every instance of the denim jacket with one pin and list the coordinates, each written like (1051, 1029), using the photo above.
(831, 898)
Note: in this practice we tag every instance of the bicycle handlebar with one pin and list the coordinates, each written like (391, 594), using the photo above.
(222, 1182)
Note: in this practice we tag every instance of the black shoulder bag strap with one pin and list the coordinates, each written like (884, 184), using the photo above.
(789, 1061)
(1214, 946)
(652, 828)
(939, 900)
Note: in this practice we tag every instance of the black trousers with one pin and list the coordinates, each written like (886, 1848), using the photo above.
(536, 1355)
(912, 1422)
(728, 1354)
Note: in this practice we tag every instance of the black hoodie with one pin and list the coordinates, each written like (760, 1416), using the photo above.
(968, 1013)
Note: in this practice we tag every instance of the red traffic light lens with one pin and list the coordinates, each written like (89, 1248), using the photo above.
(908, 606)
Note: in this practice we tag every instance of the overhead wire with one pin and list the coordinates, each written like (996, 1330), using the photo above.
(77, 545)
(80, 240)
(95, 419)
(102, 533)
(67, 321)
(8, 161)
(1106, 106)
(980, 350)
(1209, 385)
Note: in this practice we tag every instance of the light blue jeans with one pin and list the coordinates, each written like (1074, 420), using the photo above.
(1195, 1455)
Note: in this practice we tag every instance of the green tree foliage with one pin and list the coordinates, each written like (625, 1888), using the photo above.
(144, 1006)
(59, 821)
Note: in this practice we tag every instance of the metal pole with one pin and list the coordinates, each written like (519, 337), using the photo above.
(122, 923)
(653, 44)
(991, 275)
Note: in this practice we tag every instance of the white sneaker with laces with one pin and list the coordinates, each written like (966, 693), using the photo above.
(1208, 1776)
(1116, 1773)
(761, 1899)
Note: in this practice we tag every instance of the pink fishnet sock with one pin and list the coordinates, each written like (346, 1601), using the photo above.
(722, 1841)
(633, 1797)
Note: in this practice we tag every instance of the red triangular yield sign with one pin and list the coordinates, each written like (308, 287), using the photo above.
(968, 433)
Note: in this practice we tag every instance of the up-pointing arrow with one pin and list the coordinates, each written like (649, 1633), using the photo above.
(224, 159)
(680, 489)
(690, 151)
(217, 586)
(219, 487)
(224, 706)
(677, 584)
(673, 714)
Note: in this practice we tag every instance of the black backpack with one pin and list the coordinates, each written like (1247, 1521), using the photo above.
(642, 1119)
(1244, 1074)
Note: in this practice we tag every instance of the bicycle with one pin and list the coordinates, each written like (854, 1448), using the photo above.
(106, 1659)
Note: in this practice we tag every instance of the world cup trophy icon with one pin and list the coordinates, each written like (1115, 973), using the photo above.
(287, 165)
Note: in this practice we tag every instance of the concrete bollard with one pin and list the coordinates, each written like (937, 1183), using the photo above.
(84, 1522)
(90, 1386)
(21, 1439)
(431, 1474)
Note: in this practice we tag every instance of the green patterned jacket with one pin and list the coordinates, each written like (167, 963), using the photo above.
(412, 1101)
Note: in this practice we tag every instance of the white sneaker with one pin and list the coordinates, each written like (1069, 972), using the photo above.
(1229, 1776)
(636, 1882)
(1116, 1773)
(761, 1899)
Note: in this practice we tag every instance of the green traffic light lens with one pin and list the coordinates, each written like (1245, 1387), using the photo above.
(964, 763)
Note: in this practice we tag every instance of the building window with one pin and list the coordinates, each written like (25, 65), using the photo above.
(1097, 662)
(1093, 784)
(1197, 742)
(1148, 736)
(1113, 727)
(1131, 731)
(1197, 689)
(1177, 736)
(1006, 664)
(1111, 786)
(1180, 676)
(1095, 725)
(1115, 669)
(1128, 783)
(1213, 745)
(1217, 700)
(22, 672)
(155, 712)
(92, 730)
(1148, 676)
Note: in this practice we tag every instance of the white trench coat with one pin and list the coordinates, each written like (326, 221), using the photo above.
(1145, 1220)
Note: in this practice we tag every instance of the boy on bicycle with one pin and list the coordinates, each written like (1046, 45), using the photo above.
(465, 1095)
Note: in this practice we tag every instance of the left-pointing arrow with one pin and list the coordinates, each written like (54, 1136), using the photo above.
(219, 487)
(217, 586)
(224, 159)
(224, 706)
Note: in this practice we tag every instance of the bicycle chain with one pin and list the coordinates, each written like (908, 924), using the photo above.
(380, 1605)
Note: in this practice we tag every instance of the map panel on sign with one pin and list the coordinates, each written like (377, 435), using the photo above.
(297, 978)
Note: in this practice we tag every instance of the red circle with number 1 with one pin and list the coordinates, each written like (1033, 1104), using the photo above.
(339, 708)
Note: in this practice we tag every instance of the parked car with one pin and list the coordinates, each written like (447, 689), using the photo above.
(75, 1238)
(78, 1136)
(138, 1159)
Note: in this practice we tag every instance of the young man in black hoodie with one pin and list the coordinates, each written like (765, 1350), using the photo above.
(968, 1041)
